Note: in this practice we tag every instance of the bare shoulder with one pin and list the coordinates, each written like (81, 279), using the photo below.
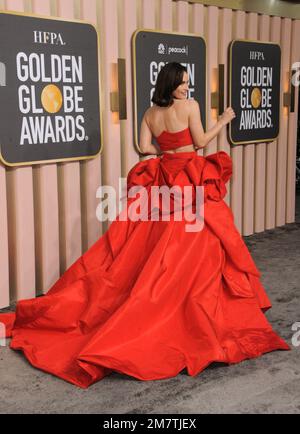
(150, 110)
(184, 102)
(182, 107)
(193, 104)
(148, 114)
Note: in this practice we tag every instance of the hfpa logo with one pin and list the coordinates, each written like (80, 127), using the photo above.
(51, 38)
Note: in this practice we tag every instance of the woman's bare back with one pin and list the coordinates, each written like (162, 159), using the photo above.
(172, 119)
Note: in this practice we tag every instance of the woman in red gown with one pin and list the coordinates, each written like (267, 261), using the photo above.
(150, 298)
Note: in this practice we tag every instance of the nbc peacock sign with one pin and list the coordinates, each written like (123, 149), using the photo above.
(49, 90)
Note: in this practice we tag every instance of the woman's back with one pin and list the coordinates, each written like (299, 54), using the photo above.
(172, 119)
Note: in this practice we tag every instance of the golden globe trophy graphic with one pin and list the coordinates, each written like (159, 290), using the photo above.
(50, 99)
(254, 86)
(256, 97)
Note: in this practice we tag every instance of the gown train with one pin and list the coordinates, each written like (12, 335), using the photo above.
(150, 298)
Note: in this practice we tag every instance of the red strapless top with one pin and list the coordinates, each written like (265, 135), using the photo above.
(168, 140)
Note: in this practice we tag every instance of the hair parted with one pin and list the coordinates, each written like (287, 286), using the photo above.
(168, 79)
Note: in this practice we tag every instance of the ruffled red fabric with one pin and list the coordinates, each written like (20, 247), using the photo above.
(168, 140)
(149, 298)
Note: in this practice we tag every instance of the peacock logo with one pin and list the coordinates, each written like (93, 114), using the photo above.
(161, 48)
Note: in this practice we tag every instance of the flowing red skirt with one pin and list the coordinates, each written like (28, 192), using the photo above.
(150, 298)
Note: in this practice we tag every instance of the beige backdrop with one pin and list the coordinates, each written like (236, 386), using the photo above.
(47, 213)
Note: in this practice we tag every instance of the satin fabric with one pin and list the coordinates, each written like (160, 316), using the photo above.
(149, 298)
(168, 140)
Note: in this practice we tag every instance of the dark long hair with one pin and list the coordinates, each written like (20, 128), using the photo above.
(168, 79)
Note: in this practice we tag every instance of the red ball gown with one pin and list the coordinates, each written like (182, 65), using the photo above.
(150, 298)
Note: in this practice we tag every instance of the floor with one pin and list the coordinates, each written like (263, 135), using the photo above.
(268, 384)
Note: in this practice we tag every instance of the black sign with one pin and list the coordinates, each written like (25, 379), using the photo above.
(254, 91)
(151, 51)
(49, 90)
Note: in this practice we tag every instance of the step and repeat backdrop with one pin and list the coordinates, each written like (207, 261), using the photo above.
(75, 81)
(50, 94)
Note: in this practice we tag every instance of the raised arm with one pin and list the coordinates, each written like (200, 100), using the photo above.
(195, 124)
(201, 138)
